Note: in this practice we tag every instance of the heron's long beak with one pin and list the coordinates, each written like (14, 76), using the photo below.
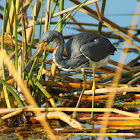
(38, 50)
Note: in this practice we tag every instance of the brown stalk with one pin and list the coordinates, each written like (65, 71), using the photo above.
(24, 9)
(47, 15)
(115, 63)
(106, 134)
(64, 117)
(106, 90)
(29, 108)
(51, 115)
(36, 12)
(11, 17)
(11, 114)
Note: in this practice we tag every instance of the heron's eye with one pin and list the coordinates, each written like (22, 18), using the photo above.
(95, 40)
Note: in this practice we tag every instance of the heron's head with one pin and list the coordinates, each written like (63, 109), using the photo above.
(48, 36)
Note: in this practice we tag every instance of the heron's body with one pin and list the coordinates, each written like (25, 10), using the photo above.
(84, 50)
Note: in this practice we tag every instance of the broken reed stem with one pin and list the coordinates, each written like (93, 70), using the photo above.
(47, 16)
(104, 134)
(26, 92)
(113, 110)
(104, 91)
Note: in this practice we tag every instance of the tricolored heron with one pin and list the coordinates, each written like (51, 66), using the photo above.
(84, 50)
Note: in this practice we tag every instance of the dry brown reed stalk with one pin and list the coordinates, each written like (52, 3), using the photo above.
(80, 26)
(126, 128)
(136, 116)
(7, 40)
(119, 118)
(61, 77)
(13, 129)
(52, 109)
(11, 17)
(133, 61)
(124, 123)
(104, 91)
(51, 115)
(26, 92)
(47, 16)
(64, 117)
(18, 4)
(24, 9)
(115, 63)
(118, 73)
(72, 18)
(65, 84)
(71, 8)
(36, 12)
(11, 114)
(105, 134)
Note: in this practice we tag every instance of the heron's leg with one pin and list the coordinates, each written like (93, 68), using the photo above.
(84, 87)
(93, 87)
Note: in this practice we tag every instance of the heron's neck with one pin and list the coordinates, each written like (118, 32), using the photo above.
(58, 52)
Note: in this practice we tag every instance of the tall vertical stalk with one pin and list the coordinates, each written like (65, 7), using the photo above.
(15, 34)
(102, 13)
(61, 5)
(41, 19)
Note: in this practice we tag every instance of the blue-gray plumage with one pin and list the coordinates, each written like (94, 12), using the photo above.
(84, 50)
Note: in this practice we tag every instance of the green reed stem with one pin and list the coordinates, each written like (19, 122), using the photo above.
(78, 7)
(37, 83)
(128, 79)
(13, 92)
(23, 36)
(102, 13)
(31, 43)
(123, 74)
(54, 7)
(15, 34)
(60, 18)
(32, 39)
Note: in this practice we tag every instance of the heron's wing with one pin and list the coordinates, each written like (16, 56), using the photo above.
(73, 63)
(97, 50)
(73, 45)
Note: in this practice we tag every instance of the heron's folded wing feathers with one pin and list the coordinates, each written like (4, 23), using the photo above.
(96, 52)
(77, 62)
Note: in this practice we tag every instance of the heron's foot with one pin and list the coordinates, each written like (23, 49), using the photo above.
(74, 115)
